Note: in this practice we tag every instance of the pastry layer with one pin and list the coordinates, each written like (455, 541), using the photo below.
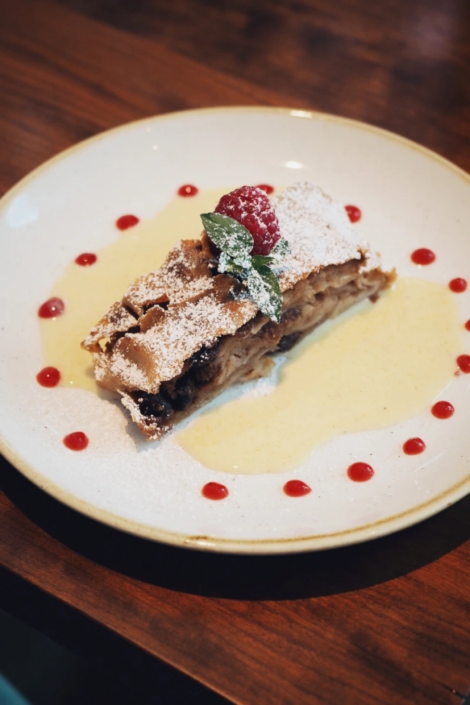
(246, 354)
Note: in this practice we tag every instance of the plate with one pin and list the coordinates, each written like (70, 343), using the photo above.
(410, 198)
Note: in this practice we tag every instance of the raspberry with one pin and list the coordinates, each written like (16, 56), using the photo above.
(251, 207)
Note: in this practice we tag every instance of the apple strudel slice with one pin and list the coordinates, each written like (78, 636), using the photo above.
(184, 333)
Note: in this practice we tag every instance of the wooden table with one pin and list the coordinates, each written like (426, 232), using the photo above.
(384, 622)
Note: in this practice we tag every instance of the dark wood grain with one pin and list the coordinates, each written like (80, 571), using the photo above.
(65, 78)
(385, 621)
(370, 623)
(402, 65)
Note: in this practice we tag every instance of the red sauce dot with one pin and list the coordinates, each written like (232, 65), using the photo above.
(51, 308)
(360, 472)
(354, 213)
(188, 190)
(126, 221)
(86, 259)
(76, 441)
(463, 361)
(458, 285)
(266, 188)
(423, 256)
(296, 488)
(442, 410)
(414, 446)
(48, 377)
(467, 324)
(213, 490)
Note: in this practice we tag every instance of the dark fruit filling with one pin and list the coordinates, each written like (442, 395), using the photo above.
(288, 342)
(292, 314)
(153, 405)
(205, 355)
(202, 366)
(177, 394)
(181, 392)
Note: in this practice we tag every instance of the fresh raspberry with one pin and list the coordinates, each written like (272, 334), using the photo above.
(251, 207)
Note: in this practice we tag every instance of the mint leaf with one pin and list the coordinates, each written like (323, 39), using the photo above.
(280, 250)
(232, 266)
(228, 234)
(265, 291)
(258, 260)
(235, 243)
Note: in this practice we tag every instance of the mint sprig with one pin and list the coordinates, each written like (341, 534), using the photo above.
(235, 243)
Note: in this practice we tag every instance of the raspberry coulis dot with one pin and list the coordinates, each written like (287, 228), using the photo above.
(467, 325)
(48, 377)
(86, 259)
(126, 221)
(463, 361)
(414, 446)
(423, 256)
(214, 490)
(76, 441)
(188, 190)
(458, 285)
(51, 308)
(296, 488)
(442, 410)
(360, 472)
(354, 213)
(266, 188)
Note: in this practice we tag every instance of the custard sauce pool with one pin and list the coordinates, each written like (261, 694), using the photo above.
(375, 366)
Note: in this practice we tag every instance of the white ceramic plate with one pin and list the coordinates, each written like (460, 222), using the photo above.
(410, 197)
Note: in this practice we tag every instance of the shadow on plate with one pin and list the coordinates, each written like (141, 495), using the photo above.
(283, 577)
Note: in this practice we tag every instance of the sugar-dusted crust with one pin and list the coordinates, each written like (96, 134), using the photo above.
(170, 315)
(184, 333)
(319, 233)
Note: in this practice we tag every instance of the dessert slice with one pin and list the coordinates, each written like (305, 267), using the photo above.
(184, 333)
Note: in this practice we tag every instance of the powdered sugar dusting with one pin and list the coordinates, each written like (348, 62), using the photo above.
(184, 331)
(122, 368)
(117, 320)
(318, 231)
(144, 360)
(174, 281)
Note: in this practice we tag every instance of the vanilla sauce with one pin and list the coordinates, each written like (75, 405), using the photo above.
(375, 366)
